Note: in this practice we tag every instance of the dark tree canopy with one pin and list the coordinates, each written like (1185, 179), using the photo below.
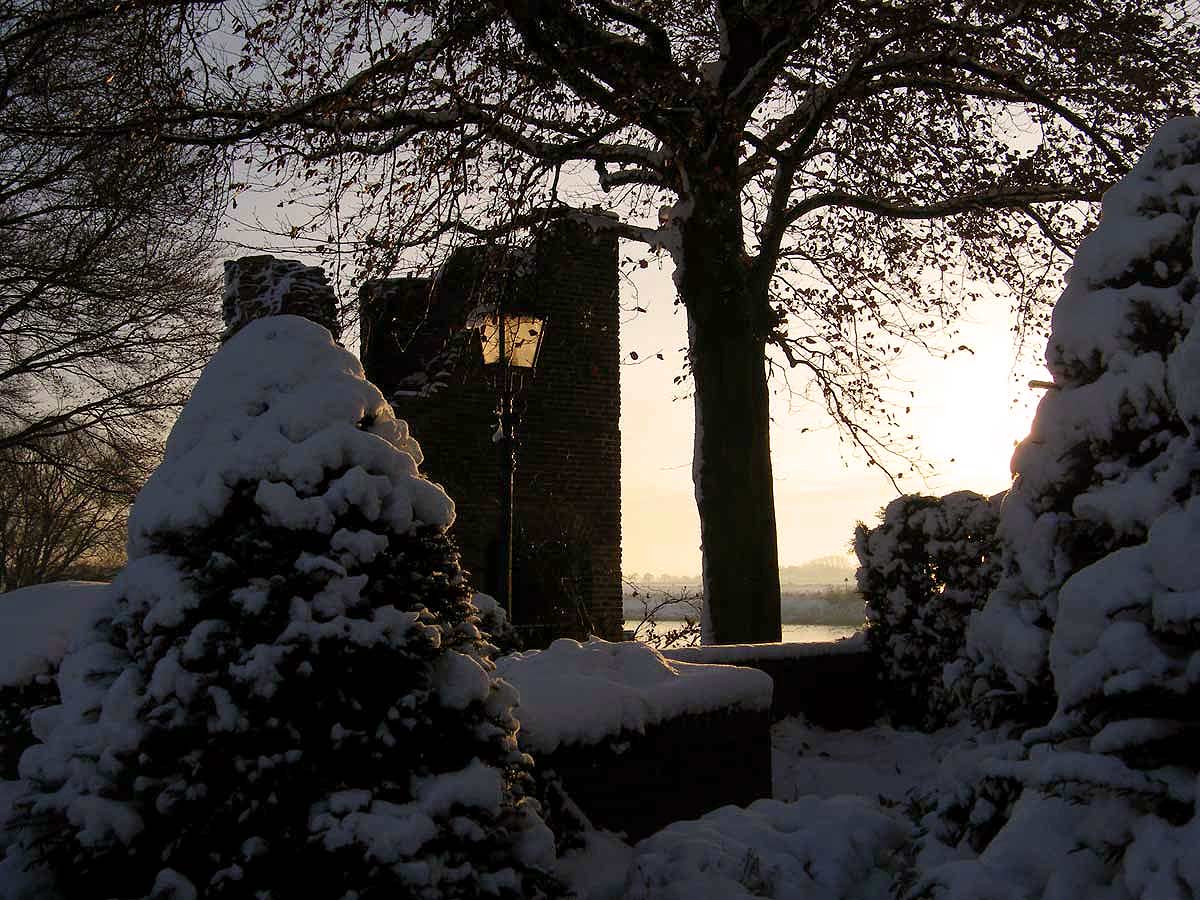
(833, 178)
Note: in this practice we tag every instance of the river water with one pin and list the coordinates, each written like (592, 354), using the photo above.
(792, 634)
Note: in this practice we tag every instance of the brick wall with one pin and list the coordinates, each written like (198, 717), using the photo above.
(833, 685)
(568, 476)
(678, 769)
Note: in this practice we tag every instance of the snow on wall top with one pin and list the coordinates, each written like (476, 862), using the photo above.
(724, 654)
(573, 693)
(39, 623)
(281, 405)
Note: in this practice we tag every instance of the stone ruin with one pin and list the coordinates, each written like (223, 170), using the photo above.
(257, 286)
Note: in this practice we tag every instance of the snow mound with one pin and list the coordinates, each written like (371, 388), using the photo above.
(39, 623)
(628, 686)
(280, 405)
(818, 849)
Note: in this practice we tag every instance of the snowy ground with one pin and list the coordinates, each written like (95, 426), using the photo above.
(833, 830)
(854, 814)
(836, 828)
(878, 762)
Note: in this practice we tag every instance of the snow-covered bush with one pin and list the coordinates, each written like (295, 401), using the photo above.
(1113, 444)
(37, 624)
(291, 697)
(493, 622)
(1101, 596)
(17, 702)
(816, 848)
(923, 570)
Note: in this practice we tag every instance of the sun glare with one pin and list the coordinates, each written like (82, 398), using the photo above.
(967, 420)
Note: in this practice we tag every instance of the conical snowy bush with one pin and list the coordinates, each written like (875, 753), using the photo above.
(1101, 602)
(291, 698)
(1113, 448)
(1125, 651)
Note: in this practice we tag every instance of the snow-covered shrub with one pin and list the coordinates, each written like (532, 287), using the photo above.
(1113, 444)
(291, 697)
(813, 847)
(17, 702)
(37, 624)
(1101, 597)
(922, 571)
(493, 622)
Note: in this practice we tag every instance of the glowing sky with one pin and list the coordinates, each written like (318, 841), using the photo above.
(964, 411)
(963, 415)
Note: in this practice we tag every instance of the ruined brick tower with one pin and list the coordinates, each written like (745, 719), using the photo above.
(257, 286)
(416, 348)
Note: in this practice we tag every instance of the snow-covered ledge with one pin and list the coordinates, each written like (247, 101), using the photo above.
(832, 684)
(573, 693)
(638, 740)
(726, 654)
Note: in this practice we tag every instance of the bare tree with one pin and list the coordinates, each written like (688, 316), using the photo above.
(63, 504)
(830, 177)
(106, 297)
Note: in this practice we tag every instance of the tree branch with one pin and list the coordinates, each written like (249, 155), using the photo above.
(952, 206)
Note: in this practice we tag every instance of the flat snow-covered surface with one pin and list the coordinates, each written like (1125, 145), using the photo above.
(736, 653)
(38, 623)
(628, 686)
(874, 762)
(831, 832)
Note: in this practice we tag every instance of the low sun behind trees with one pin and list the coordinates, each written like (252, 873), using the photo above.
(830, 177)
(63, 504)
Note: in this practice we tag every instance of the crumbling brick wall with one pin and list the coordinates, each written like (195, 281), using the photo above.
(257, 286)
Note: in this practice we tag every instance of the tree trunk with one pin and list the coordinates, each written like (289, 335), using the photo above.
(728, 322)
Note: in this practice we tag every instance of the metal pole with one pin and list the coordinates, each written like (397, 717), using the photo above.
(508, 465)
(508, 449)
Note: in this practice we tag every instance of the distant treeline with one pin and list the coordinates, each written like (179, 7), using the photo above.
(827, 606)
(827, 570)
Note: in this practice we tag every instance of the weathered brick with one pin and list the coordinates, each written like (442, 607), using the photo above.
(257, 286)
(568, 476)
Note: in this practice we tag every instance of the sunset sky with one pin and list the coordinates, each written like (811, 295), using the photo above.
(968, 408)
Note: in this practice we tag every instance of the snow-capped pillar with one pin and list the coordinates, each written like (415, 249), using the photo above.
(257, 286)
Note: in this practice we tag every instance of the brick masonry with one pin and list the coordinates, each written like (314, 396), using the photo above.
(830, 686)
(678, 769)
(415, 346)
